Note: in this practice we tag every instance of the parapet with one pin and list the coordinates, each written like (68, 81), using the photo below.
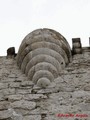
(11, 52)
(76, 46)
(44, 53)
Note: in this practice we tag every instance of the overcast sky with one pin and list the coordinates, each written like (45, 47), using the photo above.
(19, 17)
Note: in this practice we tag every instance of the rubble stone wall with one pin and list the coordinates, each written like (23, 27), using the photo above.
(66, 98)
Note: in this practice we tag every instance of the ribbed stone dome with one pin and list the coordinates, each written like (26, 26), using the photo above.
(43, 54)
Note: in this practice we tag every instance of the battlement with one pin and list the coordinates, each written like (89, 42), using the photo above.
(77, 46)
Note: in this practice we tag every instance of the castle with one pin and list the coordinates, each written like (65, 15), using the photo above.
(46, 79)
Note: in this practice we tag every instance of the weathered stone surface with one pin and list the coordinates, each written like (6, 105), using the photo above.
(22, 104)
(4, 105)
(43, 82)
(87, 100)
(87, 88)
(80, 93)
(14, 85)
(31, 117)
(15, 115)
(85, 107)
(11, 51)
(23, 91)
(45, 47)
(8, 91)
(27, 83)
(1, 97)
(5, 114)
(13, 98)
(69, 92)
(34, 96)
(3, 85)
(53, 117)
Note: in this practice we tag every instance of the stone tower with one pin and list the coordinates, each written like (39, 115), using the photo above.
(46, 79)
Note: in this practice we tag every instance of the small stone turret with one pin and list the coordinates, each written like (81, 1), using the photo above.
(76, 46)
(11, 52)
(42, 55)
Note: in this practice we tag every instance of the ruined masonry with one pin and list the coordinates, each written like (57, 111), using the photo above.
(46, 79)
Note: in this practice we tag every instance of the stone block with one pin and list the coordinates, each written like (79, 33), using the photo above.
(22, 104)
(5, 114)
(32, 117)
(76, 46)
(11, 52)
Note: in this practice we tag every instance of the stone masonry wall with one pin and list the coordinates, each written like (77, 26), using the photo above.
(20, 99)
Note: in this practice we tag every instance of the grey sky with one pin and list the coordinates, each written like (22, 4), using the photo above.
(19, 17)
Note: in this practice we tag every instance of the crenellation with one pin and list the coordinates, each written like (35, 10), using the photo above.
(76, 46)
(11, 52)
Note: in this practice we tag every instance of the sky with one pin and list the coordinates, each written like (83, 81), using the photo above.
(71, 18)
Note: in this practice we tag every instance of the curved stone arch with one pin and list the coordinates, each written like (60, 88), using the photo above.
(42, 73)
(41, 58)
(46, 38)
(36, 45)
(43, 66)
(41, 53)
